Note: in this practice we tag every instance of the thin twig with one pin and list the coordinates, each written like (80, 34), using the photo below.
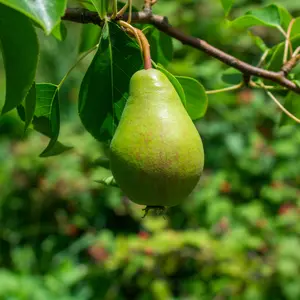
(296, 51)
(252, 84)
(230, 88)
(281, 106)
(77, 62)
(148, 5)
(290, 64)
(263, 57)
(288, 42)
(161, 23)
(282, 31)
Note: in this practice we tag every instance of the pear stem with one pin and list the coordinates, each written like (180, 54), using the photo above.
(133, 31)
(142, 41)
(146, 50)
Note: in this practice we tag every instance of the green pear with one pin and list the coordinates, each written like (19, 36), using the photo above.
(156, 154)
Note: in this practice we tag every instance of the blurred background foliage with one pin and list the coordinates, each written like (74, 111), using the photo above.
(65, 236)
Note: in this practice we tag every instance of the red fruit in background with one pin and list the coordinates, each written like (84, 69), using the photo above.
(148, 251)
(71, 207)
(286, 208)
(224, 223)
(270, 151)
(98, 253)
(263, 249)
(143, 235)
(261, 223)
(276, 184)
(222, 226)
(43, 183)
(21, 179)
(245, 96)
(225, 187)
(71, 230)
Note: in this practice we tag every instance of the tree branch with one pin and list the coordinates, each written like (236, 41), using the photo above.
(161, 23)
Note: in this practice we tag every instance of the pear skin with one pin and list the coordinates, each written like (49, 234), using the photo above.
(156, 154)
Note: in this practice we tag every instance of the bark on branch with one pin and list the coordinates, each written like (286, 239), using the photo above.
(81, 15)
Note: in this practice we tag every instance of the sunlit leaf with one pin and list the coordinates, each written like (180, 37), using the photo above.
(285, 16)
(296, 27)
(195, 96)
(175, 83)
(101, 7)
(227, 4)
(60, 31)
(46, 13)
(267, 16)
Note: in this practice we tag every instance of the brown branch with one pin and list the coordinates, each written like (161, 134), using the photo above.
(82, 15)
(289, 65)
(161, 23)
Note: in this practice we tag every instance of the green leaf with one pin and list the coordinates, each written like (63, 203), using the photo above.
(267, 16)
(285, 16)
(108, 181)
(29, 106)
(292, 104)
(160, 44)
(20, 50)
(60, 31)
(104, 89)
(227, 4)
(89, 37)
(46, 118)
(195, 96)
(232, 76)
(55, 149)
(296, 27)
(175, 83)
(88, 4)
(101, 7)
(258, 42)
(45, 12)
(276, 59)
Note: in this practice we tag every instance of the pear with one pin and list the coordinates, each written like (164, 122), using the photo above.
(156, 154)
